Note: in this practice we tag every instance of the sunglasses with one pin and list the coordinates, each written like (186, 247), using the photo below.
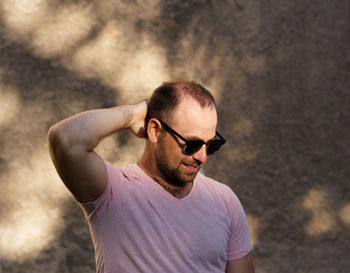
(193, 146)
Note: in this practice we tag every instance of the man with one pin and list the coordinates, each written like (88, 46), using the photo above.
(159, 215)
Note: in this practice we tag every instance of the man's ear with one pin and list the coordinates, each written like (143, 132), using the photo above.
(153, 130)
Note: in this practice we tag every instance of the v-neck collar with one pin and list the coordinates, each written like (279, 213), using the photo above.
(160, 188)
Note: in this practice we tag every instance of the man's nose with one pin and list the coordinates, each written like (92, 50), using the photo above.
(201, 154)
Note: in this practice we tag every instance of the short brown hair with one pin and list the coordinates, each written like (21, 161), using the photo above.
(168, 96)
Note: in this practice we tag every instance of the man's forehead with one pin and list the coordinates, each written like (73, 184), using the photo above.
(190, 115)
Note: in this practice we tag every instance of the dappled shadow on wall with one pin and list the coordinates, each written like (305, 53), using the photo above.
(88, 42)
(106, 54)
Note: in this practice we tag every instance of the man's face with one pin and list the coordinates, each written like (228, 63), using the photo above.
(192, 122)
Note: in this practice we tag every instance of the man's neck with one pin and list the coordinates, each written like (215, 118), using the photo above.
(179, 192)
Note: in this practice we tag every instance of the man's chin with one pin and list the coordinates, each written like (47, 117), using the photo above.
(186, 178)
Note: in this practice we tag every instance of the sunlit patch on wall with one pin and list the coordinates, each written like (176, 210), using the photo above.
(253, 224)
(144, 71)
(28, 230)
(315, 200)
(98, 57)
(49, 31)
(134, 68)
(63, 29)
(10, 104)
(21, 17)
(322, 220)
(344, 214)
(320, 223)
(32, 207)
(107, 147)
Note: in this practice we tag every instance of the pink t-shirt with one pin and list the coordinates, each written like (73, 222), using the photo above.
(137, 226)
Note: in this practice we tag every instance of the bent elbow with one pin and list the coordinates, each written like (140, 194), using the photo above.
(58, 140)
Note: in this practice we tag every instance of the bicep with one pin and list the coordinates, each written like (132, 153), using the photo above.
(241, 265)
(84, 173)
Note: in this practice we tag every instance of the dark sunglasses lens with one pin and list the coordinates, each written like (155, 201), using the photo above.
(193, 146)
(214, 145)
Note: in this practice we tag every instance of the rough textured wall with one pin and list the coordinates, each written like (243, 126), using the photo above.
(278, 69)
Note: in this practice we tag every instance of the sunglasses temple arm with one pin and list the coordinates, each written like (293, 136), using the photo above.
(220, 136)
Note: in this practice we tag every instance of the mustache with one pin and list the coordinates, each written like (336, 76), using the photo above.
(193, 163)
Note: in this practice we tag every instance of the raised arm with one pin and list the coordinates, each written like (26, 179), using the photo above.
(72, 142)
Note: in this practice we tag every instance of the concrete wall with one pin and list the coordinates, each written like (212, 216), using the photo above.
(278, 69)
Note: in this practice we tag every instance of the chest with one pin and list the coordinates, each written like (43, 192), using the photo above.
(196, 229)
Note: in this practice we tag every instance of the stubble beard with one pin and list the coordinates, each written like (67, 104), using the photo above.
(172, 175)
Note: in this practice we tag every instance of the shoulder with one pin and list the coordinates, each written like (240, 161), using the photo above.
(214, 185)
(220, 190)
(130, 174)
(118, 173)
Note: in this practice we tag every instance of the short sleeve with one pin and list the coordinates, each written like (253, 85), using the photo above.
(94, 210)
(239, 243)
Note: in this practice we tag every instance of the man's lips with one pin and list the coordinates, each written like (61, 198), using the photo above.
(191, 167)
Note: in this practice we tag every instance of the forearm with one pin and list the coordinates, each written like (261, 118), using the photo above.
(85, 130)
